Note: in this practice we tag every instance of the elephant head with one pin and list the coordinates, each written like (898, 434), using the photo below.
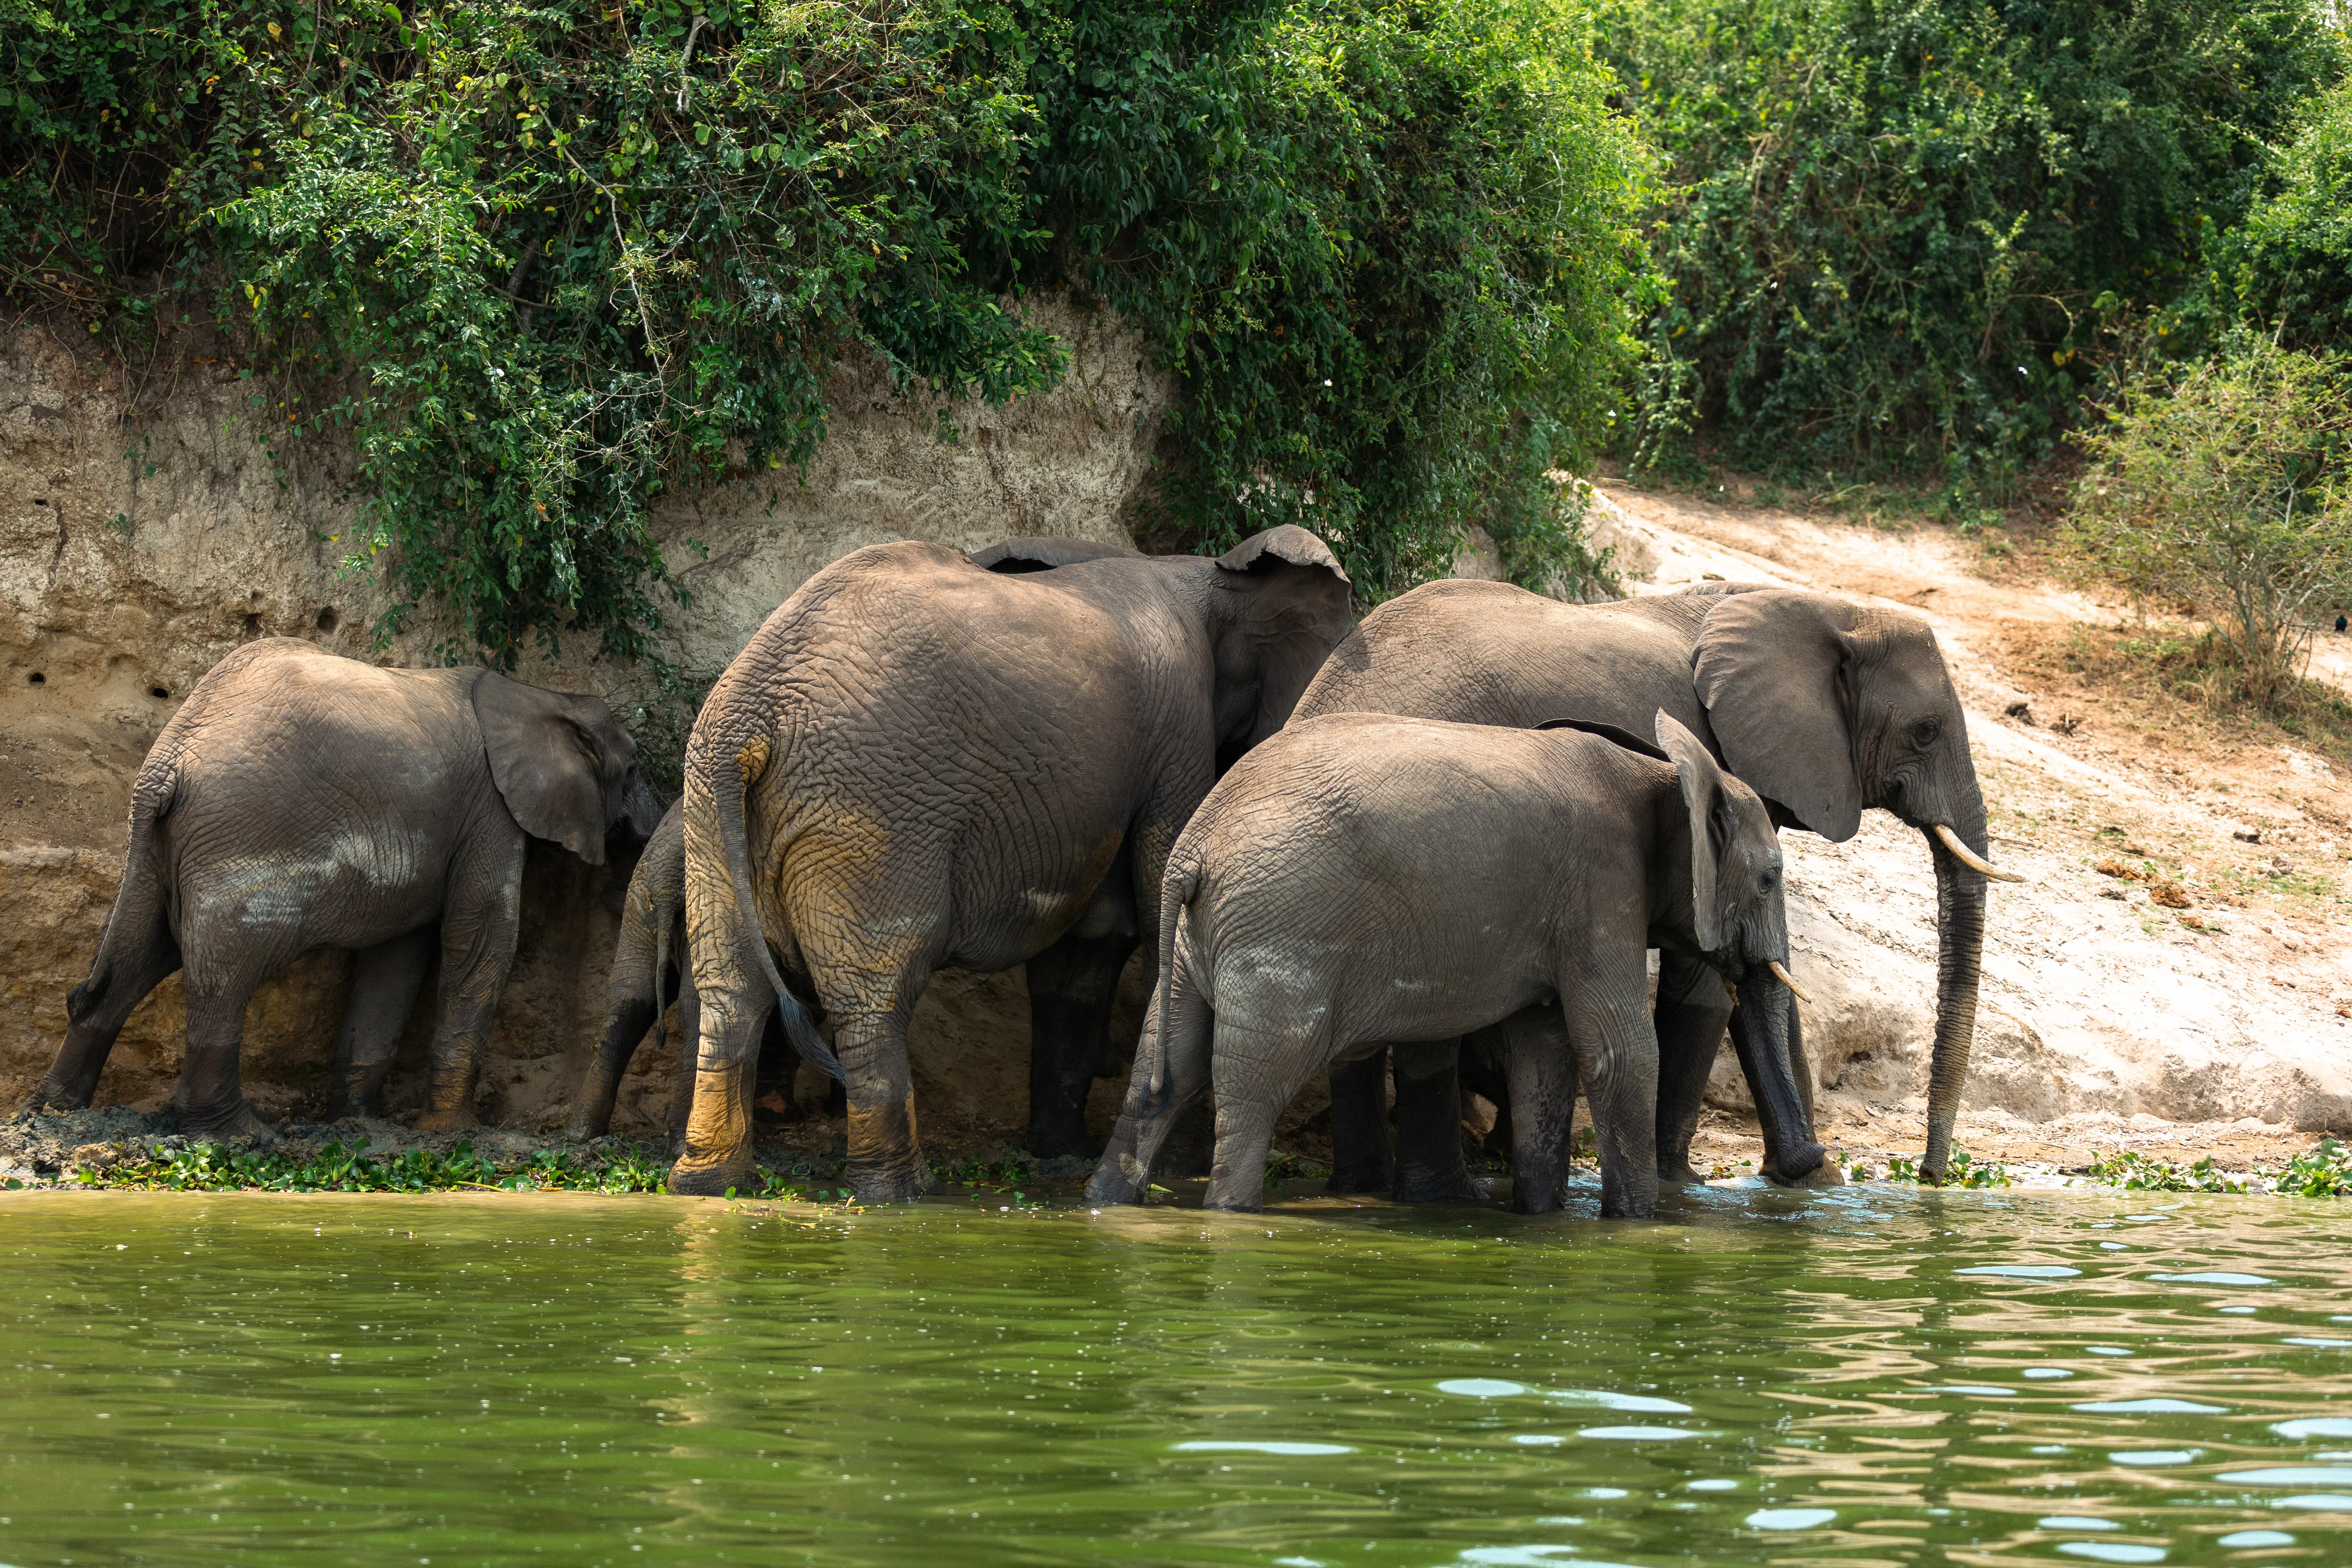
(563, 765)
(1278, 605)
(1740, 919)
(1826, 707)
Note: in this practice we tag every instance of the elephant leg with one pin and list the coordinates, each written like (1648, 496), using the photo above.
(716, 1156)
(1360, 1157)
(1692, 1013)
(1178, 1040)
(385, 979)
(211, 1098)
(689, 1055)
(120, 979)
(1071, 987)
(1429, 1164)
(1542, 1067)
(1257, 1073)
(885, 1153)
(626, 1025)
(1617, 1066)
(478, 926)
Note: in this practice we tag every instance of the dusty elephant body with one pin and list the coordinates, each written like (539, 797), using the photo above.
(1362, 879)
(300, 800)
(1822, 706)
(920, 764)
(649, 972)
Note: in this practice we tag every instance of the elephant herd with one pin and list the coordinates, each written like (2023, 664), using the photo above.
(1446, 839)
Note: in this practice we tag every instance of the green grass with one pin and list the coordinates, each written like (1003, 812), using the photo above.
(341, 1168)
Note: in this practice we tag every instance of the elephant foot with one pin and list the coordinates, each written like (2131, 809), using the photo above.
(1825, 1174)
(898, 1181)
(1359, 1177)
(1678, 1173)
(713, 1178)
(1421, 1185)
(444, 1120)
(59, 1097)
(1795, 1166)
(579, 1129)
(1108, 1187)
(227, 1125)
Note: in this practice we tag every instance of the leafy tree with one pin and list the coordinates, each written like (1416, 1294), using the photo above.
(2225, 491)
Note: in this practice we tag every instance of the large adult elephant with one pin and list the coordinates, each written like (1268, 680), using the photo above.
(1821, 705)
(920, 764)
(301, 800)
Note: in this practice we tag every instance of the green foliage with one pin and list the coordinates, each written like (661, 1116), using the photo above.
(2322, 1172)
(2287, 267)
(2225, 491)
(210, 1167)
(1910, 234)
(2140, 1172)
(1962, 1169)
(975, 1171)
(544, 260)
(1383, 248)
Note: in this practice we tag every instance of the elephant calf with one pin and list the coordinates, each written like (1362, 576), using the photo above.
(1360, 879)
(300, 800)
(650, 971)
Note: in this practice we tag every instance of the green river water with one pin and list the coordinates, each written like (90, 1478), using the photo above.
(1859, 1377)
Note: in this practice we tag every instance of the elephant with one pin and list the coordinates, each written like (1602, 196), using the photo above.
(920, 764)
(301, 800)
(1822, 705)
(649, 972)
(1363, 877)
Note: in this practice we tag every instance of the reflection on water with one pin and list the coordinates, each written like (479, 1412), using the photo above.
(1866, 1377)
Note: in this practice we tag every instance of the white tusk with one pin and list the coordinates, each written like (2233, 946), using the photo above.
(1789, 980)
(1970, 859)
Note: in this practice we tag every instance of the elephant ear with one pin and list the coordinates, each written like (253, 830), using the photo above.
(1288, 542)
(1707, 801)
(547, 756)
(1039, 554)
(1771, 669)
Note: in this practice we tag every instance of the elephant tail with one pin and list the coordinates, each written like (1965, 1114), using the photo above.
(735, 775)
(1176, 893)
(140, 922)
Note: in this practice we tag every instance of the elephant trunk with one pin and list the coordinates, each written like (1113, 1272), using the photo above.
(1960, 958)
(1759, 1032)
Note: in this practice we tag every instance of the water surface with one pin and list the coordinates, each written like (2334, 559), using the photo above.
(1873, 1376)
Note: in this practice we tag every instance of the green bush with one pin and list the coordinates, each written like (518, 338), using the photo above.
(1906, 236)
(2287, 267)
(544, 260)
(2224, 490)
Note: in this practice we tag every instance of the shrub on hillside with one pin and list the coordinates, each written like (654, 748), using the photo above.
(1904, 235)
(572, 253)
(2288, 265)
(2225, 491)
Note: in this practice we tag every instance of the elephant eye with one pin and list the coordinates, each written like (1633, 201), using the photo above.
(1924, 732)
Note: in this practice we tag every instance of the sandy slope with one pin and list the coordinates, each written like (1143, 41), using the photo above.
(2108, 1021)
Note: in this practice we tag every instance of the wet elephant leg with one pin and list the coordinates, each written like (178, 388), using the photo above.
(1617, 1066)
(1360, 1157)
(689, 1055)
(1072, 985)
(385, 979)
(1258, 1072)
(886, 1155)
(211, 1098)
(1692, 1013)
(717, 1156)
(479, 925)
(1542, 1067)
(1429, 1164)
(95, 1018)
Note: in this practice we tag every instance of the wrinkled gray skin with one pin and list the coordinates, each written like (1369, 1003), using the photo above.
(300, 800)
(919, 764)
(1823, 706)
(1362, 879)
(649, 972)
